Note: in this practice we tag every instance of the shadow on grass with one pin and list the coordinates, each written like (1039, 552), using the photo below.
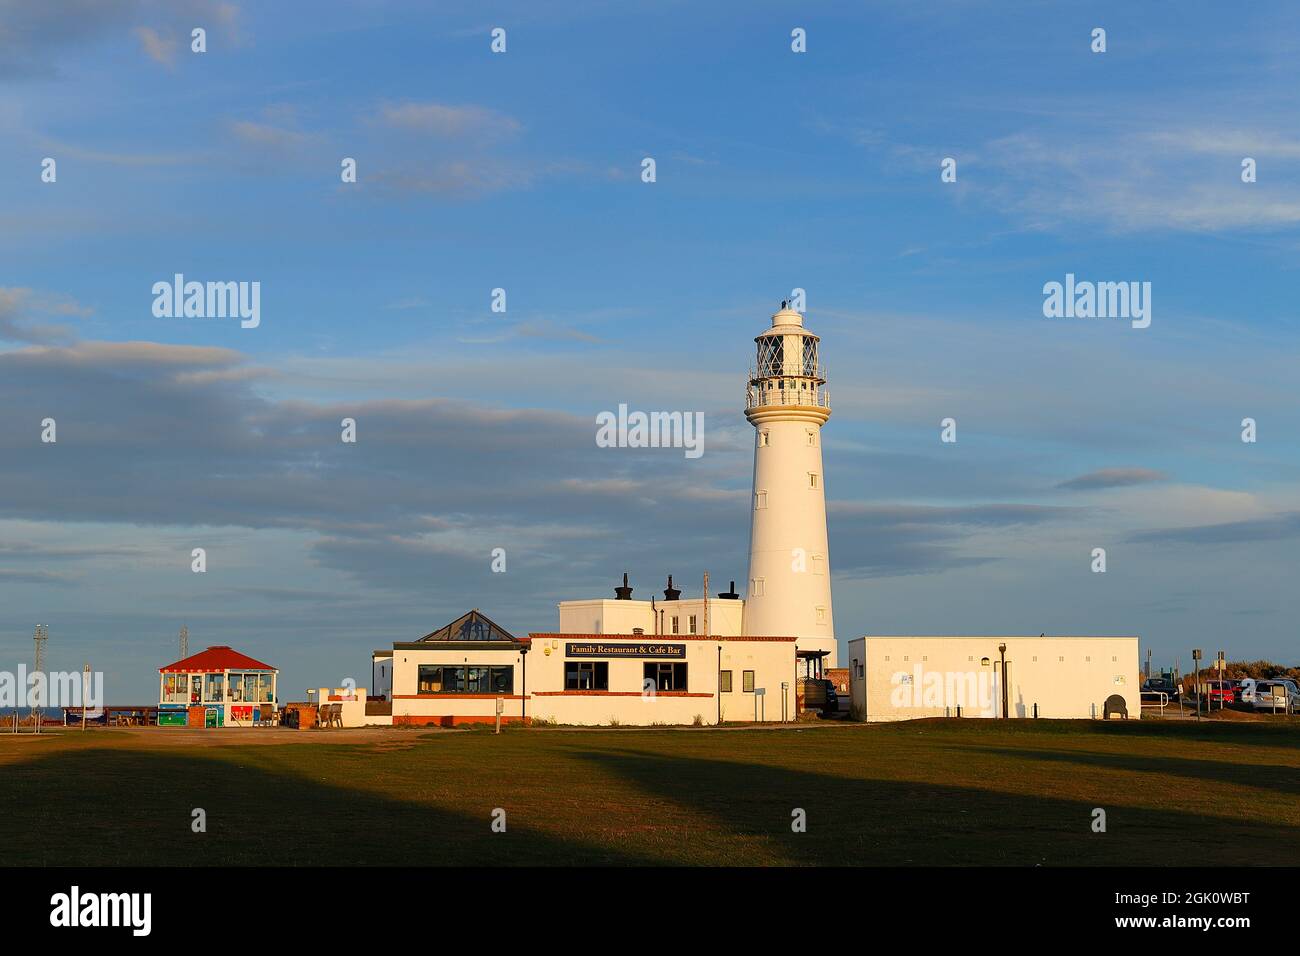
(133, 808)
(890, 822)
(1254, 775)
(1280, 733)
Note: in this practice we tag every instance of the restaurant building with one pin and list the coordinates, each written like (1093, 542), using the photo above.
(462, 672)
(217, 687)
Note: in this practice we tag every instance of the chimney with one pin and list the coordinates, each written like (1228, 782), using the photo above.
(671, 593)
(624, 593)
(730, 595)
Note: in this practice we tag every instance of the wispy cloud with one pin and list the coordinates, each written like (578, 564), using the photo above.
(158, 47)
(451, 122)
(1113, 478)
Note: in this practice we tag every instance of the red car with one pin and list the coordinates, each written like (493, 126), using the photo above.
(1220, 691)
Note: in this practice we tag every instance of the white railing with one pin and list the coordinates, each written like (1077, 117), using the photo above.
(756, 397)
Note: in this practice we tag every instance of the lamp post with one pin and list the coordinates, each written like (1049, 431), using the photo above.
(85, 692)
(1196, 663)
(1002, 649)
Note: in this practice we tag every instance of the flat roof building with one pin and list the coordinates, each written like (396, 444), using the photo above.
(461, 673)
(902, 678)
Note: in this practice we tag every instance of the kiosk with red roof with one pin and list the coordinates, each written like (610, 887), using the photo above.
(217, 687)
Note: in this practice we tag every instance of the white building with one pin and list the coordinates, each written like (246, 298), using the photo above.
(463, 672)
(901, 678)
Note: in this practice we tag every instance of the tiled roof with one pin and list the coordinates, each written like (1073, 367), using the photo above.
(218, 658)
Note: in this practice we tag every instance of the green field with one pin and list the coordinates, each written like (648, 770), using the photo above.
(923, 792)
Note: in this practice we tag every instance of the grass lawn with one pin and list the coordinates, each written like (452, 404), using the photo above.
(922, 792)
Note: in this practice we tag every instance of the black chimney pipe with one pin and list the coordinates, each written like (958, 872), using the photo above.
(624, 593)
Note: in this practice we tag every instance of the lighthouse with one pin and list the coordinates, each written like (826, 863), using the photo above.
(789, 563)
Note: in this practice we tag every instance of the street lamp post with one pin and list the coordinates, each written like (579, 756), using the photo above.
(1002, 649)
(1196, 663)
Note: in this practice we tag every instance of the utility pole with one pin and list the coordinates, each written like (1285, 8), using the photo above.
(85, 692)
(1148, 677)
(42, 635)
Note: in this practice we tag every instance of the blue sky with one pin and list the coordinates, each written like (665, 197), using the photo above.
(775, 170)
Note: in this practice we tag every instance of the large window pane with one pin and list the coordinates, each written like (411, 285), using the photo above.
(666, 676)
(586, 675)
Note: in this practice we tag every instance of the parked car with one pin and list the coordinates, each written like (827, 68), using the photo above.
(1159, 685)
(1219, 692)
(1264, 697)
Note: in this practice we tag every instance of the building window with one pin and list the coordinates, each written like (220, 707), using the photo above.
(666, 676)
(213, 686)
(819, 563)
(756, 587)
(760, 500)
(812, 436)
(821, 614)
(692, 623)
(724, 682)
(764, 439)
(812, 480)
(747, 681)
(586, 675)
(462, 679)
(675, 627)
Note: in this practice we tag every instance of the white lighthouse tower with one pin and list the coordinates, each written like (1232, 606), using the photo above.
(789, 563)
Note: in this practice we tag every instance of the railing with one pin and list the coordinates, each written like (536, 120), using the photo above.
(756, 397)
(818, 372)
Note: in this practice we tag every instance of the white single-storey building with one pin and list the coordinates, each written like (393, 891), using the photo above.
(901, 678)
(463, 672)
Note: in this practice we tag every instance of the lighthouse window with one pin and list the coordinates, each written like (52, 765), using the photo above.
(760, 499)
(764, 439)
(812, 437)
(770, 356)
(812, 480)
(821, 615)
(809, 356)
(756, 587)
